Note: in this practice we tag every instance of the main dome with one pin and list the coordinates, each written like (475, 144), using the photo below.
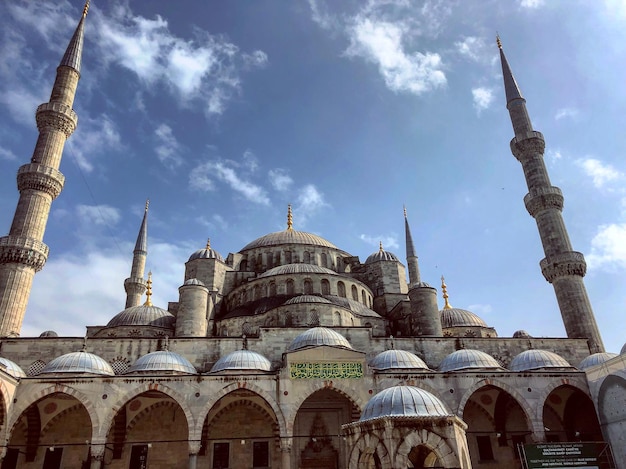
(457, 317)
(143, 315)
(404, 401)
(289, 237)
(319, 336)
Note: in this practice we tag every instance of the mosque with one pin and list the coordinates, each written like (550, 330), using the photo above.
(292, 353)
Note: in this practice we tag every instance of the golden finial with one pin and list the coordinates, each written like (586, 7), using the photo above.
(289, 218)
(404, 208)
(149, 290)
(380, 246)
(86, 8)
(208, 243)
(498, 41)
(147, 204)
(444, 288)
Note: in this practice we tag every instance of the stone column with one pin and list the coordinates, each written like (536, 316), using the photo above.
(194, 449)
(97, 456)
(285, 450)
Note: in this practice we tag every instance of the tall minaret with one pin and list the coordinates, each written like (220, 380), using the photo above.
(135, 285)
(411, 256)
(563, 267)
(22, 252)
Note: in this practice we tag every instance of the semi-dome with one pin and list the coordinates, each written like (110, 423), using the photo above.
(381, 255)
(596, 359)
(289, 236)
(290, 269)
(242, 360)
(48, 334)
(319, 336)
(538, 360)
(457, 317)
(162, 361)
(467, 359)
(79, 362)
(307, 299)
(193, 282)
(11, 368)
(206, 253)
(397, 359)
(404, 401)
(143, 315)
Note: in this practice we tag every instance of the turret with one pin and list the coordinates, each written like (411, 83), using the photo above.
(563, 267)
(22, 252)
(135, 285)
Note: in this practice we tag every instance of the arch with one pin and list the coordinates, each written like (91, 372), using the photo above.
(280, 418)
(306, 257)
(4, 402)
(573, 415)
(341, 289)
(355, 293)
(581, 385)
(504, 387)
(308, 286)
(290, 287)
(325, 284)
(362, 452)
(427, 439)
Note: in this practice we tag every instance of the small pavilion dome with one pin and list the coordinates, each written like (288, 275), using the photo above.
(11, 368)
(319, 336)
(192, 282)
(538, 360)
(143, 315)
(242, 360)
(405, 401)
(381, 255)
(79, 362)
(162, 361)
(206, 253)
(467, 359)
(397, 359)
(48, 334)
(596, 359)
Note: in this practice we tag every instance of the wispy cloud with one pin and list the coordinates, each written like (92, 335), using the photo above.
(483, 97)
(308, 202)
(6, 154)
(205, 175)
(321, 16)
(167, 148)
(93, 138)
(608, 248)
(599, 172)
(98, 214)
(566, 113)
(280, 179)
(250, 161)
(473, 48)
(531, 3)
(389, 241)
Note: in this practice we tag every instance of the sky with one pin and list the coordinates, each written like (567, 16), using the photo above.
(223, 113)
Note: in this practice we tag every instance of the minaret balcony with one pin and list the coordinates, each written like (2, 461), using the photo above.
(59, 116)
(562, 265)
(40, 177)
(543, 198)
(527, 146)
(23, 250)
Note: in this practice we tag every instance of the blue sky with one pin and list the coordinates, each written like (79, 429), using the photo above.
(222, 113)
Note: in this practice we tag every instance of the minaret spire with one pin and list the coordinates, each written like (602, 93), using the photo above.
(135, 285)
(22, 252)
(563, 267)
(411, 256)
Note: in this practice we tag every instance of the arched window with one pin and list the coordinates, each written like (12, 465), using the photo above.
(257, 292)
(363, 297)
(341, 289)
(273, 289)
(287, 257)
(259, 261)
(325, 287)
(324, 259)
(337, 319)
(243, 266)
(277, 258)
(355, 293)
(270, 263)
(290, 287)
(306, 257)
(308, 287)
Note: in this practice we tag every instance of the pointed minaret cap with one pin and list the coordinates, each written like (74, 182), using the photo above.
(142, 238)
(510, 85)
(410, 246)
(444, 289)
(74, 52)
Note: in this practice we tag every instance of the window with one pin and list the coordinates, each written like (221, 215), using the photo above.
(308, 287)
(139, 457)
(306, 257)
(325, 287)
(341, 289)
(260, 454)
(290, 287)
(272, 289)
(485, 452)
(363, 297)
(221, 455)
(323, 260)
(355, 293)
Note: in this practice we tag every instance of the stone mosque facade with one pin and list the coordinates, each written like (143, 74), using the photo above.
(293, 353)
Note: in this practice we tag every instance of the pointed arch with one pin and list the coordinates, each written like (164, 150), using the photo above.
(369, 444)
(580, 385)
(429, 440)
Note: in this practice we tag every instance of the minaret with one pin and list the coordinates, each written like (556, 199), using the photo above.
(135, 285)
(422, 297)
(22, 252)
(563, 267)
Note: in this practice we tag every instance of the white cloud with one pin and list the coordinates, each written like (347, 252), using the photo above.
(480, 308)
(98, 214)
(168, 149)
(599, 172)
(531, 3)
(258, 58)
(483, 97)
(203, 177)
(382, 43)
(389, 241)
(608, 247)
(471, 47)
(321, 17)
(92, 138)
(280, 180)
(567, 112)
(250, 161)
(6, 154)
(308, 202)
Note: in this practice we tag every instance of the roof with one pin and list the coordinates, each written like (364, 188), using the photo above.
(457, 317)
(319, 336)
(397, 359)
(288, 237)
(468, 359)
(596, 359)
(307, 299)
(406, 401)
(143, 315)
(537, 360)
(242, 360)
(162, 361)
(381, 255)
(290, 269)
(79, 362)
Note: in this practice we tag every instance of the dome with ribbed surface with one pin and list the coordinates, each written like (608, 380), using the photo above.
(206, 253)
(307, 299)
(290, 269)
(48, 334)
(397, 359)
(467, 359)
(538, 360)
(404, 401)
(11, 368)
(242, 360)
(319, 336)
(381, 255)
(521, 334)
(596, 359)
(193, 282)
(162, 361)
(143, 315)
(79, 362)
(289, 237)
(457, 317)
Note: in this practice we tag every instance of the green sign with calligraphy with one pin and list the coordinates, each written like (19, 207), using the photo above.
(350, 370)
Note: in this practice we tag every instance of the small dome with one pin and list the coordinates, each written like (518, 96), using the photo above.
(143, 315)
(289, 237)
(521, 334)
(319, 336)
(381, 255)
(193, 281)
(457, 317)
(79, 362)
(397, 359)
(467, 359)
(537, 360)
(11, 368)
(307, 299)
(290, 269)
(206, 253)
(405, 401)
(242, 360)
(596, 359)
(48, 334)
(162, 361)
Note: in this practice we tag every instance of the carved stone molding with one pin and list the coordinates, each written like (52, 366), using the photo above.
(567, 263)
(532, 144)
(58, 116)
(23, 250)
(40, 178)
(543, 199)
